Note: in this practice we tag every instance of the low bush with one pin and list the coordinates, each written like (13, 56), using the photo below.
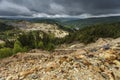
(2, 45)
(5, 52)
(18, 47)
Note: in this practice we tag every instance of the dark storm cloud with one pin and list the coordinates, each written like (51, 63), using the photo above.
(58, 7)
(91, 6)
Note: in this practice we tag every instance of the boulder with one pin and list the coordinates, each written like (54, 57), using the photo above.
(108, 55)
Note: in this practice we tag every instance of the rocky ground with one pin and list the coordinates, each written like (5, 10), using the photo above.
(96, 61)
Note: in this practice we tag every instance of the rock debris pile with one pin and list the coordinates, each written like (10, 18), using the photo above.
(88, 63)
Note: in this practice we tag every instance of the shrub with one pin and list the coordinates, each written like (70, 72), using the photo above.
(5, 52)
(40, 45)
(2, 45)
(50, 47)
(17, 47)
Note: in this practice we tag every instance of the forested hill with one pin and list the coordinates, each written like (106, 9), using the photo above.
(92, 33)
(4, 27)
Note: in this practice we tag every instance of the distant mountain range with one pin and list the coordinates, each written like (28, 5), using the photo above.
(71, 22)
(91, 21)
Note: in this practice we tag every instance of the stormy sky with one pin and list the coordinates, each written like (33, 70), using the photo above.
(59, 8)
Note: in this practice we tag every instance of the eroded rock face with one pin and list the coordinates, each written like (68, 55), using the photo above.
(45, 27)
(80, 64)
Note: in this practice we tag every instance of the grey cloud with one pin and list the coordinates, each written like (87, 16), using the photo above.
(58, 7)
(91, 6)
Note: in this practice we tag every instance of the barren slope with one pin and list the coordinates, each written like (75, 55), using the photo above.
(93, 62)
(45, 27)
